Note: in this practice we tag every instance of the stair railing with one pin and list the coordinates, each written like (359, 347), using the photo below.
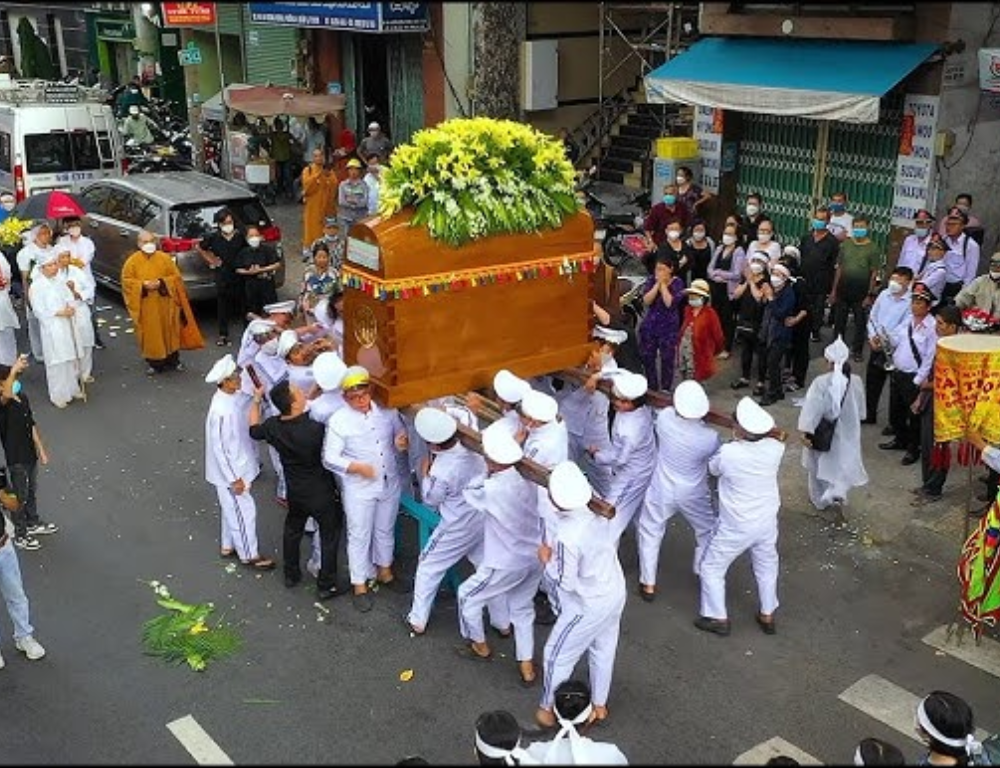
(592, 131)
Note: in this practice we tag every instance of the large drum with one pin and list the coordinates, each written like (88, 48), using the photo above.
(967, 387)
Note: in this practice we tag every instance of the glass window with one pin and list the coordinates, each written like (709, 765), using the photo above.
(119, 206)
(96, 199)
(144, 210)
(47, 152)
(5, 152)
(84, 148)
(196, 221)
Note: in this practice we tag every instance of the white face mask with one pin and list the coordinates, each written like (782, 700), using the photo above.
(777, 282)
(673, 234)
(728, 239)
(253, 242)
(994, 275)
(681, 181)
(696, 301)
(227, 229)
(148, 247)
(895, 287)
(753, 210)
(764, 237)
(696, 235)
(7, 205)
(756, 268)
(75, 231)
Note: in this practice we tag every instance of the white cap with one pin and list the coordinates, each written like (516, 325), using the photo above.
(286, 341)
(133, 110)
(753, 418)
(539, 406)
(260, 327)
(782, 270)
(630, 386)
(434, 425)
(374, 127)
(499, 445)
(609, 334)
(509, 388)
(791, 250)
(568, 487)
(837, 353)
(222, 370)
(281, 306)
(328, 370)
(760, 256)
(690, 400)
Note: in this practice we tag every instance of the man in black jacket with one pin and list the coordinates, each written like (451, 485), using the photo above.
(819, 250)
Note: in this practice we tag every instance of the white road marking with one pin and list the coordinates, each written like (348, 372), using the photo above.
(764, 751)
(888, 703)
(195, 740)
(985, 656)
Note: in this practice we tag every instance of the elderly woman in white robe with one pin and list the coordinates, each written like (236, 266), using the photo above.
(836, 395)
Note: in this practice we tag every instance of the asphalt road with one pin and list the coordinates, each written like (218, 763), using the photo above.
(126, 486)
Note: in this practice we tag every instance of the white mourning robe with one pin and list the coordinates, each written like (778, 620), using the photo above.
(833, 473)
(570, 748)
(231, 455)
(680, 484)
(9, 322)
(59, 337)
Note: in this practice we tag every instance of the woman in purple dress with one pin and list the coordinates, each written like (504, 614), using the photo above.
(663, 295)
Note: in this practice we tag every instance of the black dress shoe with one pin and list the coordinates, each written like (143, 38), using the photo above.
(716, 626)
(893, 445)
(291, 581)
(647, 597)
(910, 458)
(329, 594)
(868, 421)
(767, 627)
(888, 431)
(768, 400)
(544, 615)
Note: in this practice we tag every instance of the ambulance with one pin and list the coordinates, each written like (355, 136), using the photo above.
(55, 136)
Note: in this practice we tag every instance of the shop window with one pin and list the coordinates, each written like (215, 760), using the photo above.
(5, 152)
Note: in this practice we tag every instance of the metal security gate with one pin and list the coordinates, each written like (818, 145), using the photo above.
(777, 158)
(271, 52)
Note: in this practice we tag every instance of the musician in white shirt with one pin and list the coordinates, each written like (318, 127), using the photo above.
(891, 308)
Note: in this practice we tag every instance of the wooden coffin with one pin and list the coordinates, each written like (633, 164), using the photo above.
(430, 320)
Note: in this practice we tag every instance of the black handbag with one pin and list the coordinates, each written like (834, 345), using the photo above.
(822, 436)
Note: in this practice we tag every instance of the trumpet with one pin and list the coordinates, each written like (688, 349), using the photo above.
(885, 341)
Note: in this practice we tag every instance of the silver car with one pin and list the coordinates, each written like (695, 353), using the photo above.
(179, 207)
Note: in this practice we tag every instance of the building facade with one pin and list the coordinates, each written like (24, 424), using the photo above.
(63, 28)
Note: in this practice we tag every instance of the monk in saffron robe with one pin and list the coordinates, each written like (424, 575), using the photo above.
(157, 302)
(319, 191)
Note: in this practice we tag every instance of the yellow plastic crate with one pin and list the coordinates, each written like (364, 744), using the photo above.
(677, 148)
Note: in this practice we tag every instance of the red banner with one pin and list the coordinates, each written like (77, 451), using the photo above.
(184, 14)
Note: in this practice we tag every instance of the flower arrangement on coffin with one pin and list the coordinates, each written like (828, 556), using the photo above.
(183, 634)
(979, 320)
(472, 178)
(11, 230)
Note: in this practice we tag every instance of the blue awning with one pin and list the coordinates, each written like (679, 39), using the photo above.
(820, 79)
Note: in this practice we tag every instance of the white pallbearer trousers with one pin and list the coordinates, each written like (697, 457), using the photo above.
(483, 587)
(728, 543)
(371, 534)
(663, 501)
(239, 522)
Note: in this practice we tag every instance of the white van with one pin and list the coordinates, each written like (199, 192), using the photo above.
(55, 136)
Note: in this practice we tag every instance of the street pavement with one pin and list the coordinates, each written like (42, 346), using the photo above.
(861, 610)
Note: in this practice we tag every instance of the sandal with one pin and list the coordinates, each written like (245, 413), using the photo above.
(222, 341)
(504, 634)
(545, 718)
(527, 681)
(412, 629)
(466, 652)
(260, 563)
(226, 553)
(740, 383)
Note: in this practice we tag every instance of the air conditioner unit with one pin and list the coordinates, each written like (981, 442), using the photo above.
(989, 70)
(539, 75)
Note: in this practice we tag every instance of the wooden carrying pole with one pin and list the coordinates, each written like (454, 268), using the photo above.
(529, 469)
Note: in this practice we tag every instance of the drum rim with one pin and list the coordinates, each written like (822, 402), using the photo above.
(971, 343)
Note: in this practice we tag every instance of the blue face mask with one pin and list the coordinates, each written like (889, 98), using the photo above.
(16, 389)
(818, 224)
(670, 199)
(838, 207)
(920, 231)
(860, 232)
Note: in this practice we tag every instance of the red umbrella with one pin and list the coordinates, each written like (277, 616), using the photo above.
(50, 205)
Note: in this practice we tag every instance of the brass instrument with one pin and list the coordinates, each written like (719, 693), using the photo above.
(885, 341)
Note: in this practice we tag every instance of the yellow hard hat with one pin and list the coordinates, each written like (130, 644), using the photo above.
(354, 163)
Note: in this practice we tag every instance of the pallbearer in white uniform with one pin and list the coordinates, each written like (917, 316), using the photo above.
(271, 369)
(510, 565)
(747, 469)
(510, 390)
(360, 447)
(632, 454)
(447, 470)
(582, 564)
(231, 463)
(680, 481)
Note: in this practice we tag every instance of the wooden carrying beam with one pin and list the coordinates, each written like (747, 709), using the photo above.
(529, 469)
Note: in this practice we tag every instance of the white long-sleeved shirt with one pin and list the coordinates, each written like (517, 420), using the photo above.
(913, 252)
(451, 472)
(368, 438)
(924, 334)
(748, 481)
(935, 277)
(684, 449)
(548, 444)
(888, 312)
(961, 270)
(584, 565)
(511, 530)
(325, 405)
(633, 445)
(230, 452)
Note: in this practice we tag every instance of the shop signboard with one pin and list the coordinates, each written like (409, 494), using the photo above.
(914, 187)
(188, 14)
(350, 17)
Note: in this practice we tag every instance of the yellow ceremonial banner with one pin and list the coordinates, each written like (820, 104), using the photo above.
(967, 387)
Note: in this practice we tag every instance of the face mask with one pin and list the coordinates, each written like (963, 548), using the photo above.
(753, 210)
(756, 268)
(673, 234)
(670, 199)
(963, 208)
(227, 229)
(148, 247)
(920, 231)
(838, 207)
(696, 301)
(16, 389)
(818, 224)
(860, 232)
(270, 347)
(681, 181)
(75, 231)
(8, 205)
(728, 239)
(994, 275)
(895, 287)
(777, 282)
(253, 242)
(764, 237)
(698, 236)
